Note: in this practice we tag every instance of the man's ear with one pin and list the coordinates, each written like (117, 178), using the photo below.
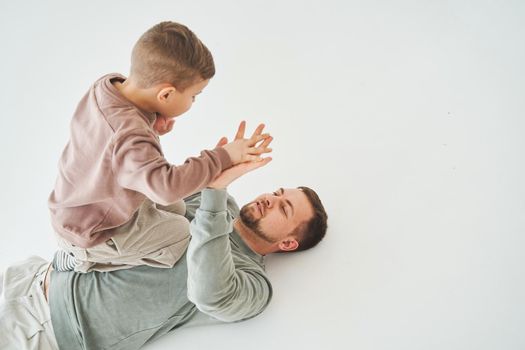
(288, 245)
(165, 92)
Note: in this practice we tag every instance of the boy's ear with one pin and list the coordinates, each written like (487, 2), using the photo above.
(165, 92)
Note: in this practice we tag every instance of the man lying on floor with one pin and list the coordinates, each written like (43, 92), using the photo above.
(221, 277)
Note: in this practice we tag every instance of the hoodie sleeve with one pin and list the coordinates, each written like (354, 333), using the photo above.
(139, 165)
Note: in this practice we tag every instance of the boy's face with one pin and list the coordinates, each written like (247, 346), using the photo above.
(173, 102)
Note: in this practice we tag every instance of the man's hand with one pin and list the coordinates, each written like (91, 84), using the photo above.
(228, 176)
(247, 150)
(163, 125)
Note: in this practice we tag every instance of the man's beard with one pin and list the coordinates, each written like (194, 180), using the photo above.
(248, 219)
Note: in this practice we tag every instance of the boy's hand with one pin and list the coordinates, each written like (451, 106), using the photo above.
(229, 175)
(247, 150)
(163, 125)
(222, 141)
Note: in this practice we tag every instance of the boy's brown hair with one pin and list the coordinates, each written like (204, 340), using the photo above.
(171, 53)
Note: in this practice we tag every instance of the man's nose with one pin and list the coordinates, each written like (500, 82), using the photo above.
(270, 200)
(267, 202)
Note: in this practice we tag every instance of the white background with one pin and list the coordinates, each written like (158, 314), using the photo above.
(405, 116)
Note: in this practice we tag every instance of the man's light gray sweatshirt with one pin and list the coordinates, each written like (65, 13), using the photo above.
(219, 279)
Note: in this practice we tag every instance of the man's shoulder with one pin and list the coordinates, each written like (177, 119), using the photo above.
(233, 208)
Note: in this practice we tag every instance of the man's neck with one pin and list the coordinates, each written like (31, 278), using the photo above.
(251, 240)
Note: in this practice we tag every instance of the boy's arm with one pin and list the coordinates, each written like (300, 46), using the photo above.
(139, 165)
(215, 285)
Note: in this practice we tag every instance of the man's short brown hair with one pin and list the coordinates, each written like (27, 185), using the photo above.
(171, 53)
(311, 232)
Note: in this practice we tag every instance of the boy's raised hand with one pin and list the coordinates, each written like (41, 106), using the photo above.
(247, 150)
(163, 125)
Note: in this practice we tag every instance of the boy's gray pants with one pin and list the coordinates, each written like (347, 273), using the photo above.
(156, 236)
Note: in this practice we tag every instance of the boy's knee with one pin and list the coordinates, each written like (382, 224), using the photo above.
(178, 207)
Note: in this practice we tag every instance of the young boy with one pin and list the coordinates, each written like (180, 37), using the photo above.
(115, 192)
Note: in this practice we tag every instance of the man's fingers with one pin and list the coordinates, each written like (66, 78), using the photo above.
(252, 158)
(259, 150)
(252, 165)
(266, 142)
(258, 131)
(257, 138)
(241, 130)
(262, 162)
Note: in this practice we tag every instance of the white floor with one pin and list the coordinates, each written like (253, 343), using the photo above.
(406, 116)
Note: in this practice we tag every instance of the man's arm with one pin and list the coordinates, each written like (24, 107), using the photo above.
(215, 285)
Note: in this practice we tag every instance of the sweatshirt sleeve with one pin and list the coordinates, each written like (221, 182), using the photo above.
(139, 165)
(216, 285)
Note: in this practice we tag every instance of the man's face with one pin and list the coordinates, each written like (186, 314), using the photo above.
(274, 216)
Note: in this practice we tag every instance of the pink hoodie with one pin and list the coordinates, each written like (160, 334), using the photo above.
(114, 160)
